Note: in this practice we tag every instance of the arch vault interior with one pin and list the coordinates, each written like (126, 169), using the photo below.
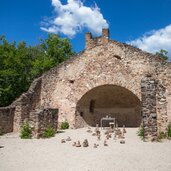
(111, 100)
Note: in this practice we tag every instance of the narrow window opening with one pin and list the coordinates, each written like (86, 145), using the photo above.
(71, 81)
(117, 56)
(81, 114)
(92, 105)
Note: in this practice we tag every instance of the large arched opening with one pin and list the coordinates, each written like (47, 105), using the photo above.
(114, 101)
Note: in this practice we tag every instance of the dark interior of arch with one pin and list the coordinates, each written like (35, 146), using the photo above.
(111, 100)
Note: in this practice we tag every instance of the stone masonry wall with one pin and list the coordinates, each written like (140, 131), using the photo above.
(40, 119)
(149, 114)
(92, 42)
(26, 103)
(103, 62)
(154, 108)
(6, 119)
(168, 90)
(109, 63)
(162, 117)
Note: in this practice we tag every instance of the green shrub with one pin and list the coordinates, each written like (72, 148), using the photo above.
(169, 131)
(64, 125)
(162, 135)
(26, 131)
(140, 132)
(167, 134)
(49, 132)
(1, 133)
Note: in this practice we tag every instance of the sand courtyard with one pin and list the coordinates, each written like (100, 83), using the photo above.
(50, 154)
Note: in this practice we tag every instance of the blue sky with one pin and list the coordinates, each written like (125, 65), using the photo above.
(139, 22)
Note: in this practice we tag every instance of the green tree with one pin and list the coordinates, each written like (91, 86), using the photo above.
(56, 48)
(21, 64)
(163, 54)
(8, 71)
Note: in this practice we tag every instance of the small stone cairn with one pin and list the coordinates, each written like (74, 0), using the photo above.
(68, 139)
(95, 145)
(78, 144)
(124, 130)
(85, 143)
(89, 130)
(63, 141)
(105, 143)
(109, 133)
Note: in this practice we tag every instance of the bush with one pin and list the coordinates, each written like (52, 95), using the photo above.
(167, 134)
(169, 131)
(49, 132)
(26, 132)
(64, 125)
(1, 133)
(140, 132)
(162, 135)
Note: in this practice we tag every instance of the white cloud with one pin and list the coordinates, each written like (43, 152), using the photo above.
(155, 40)
(74, 16)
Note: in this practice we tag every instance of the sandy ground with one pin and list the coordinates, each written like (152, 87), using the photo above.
(51, 155)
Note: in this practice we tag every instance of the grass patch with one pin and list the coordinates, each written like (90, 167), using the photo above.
(64, 125)
(26, 131)
(165, 135)
(140, 132)
(169, 131)
(1, 132)
(49, 132)
(162, 135)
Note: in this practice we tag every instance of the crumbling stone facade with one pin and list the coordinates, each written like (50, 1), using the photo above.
(40, 119)
(149, 110)
(142, 77)
(6, 119)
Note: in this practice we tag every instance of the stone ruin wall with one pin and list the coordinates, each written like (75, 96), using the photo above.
(26, 103)
(13, 116)
(103, 62)
(69, 85)
(163, 96)
(100, 64)
(40, 119)
(6, 119)
(27, 108)
(168, 90)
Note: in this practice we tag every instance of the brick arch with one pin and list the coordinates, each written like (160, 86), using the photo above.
(108, 99)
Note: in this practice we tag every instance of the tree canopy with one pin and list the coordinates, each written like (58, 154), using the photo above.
(21, 64)
(163, 54)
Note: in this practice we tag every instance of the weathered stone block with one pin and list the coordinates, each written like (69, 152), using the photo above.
(40, 119)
